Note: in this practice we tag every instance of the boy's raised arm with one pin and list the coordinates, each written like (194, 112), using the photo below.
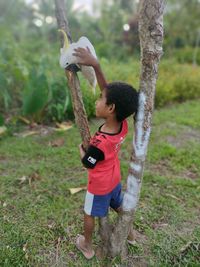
(86, 58)
(100, 76)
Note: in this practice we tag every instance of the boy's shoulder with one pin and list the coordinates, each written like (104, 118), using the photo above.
(98, 139)
(104, 139)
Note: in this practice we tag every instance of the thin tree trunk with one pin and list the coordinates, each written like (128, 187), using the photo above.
(151, 38)
(73, 81)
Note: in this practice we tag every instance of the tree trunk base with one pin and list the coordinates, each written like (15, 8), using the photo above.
(113, 238)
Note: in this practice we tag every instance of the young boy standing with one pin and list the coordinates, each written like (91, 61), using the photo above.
(117, 101)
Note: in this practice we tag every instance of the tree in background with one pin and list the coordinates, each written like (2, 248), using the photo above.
(181, 23)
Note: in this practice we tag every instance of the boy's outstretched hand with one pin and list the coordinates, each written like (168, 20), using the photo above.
(85, 56)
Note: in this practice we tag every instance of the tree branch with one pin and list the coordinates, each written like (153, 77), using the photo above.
(73, 81)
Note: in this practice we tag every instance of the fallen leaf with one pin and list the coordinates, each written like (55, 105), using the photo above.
(64, 126)
(5, 218)
(23, 179)
(51, 225)
(185, 247)
(57, 143)
(35, 176)
(25, 134)
(25, 120)
(25, 247)
(172, 196)
(77, 189)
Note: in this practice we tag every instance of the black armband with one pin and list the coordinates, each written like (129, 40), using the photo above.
(92, 156)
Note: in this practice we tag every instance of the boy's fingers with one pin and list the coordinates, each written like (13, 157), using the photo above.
(88, 49)
(75, 54)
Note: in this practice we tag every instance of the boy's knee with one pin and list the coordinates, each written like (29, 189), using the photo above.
(88, 217)
(118, 210)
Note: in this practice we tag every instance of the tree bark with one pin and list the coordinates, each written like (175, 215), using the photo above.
(151, 38)
(73, 81)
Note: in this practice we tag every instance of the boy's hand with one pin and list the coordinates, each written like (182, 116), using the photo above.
(85, 56)
(82, 151)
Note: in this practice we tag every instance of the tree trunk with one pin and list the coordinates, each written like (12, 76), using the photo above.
(73, 81)
(151, 38)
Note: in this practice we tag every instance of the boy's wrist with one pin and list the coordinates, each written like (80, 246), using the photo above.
(96, 65)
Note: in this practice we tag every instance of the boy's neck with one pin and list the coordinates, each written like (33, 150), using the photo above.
(111, 126)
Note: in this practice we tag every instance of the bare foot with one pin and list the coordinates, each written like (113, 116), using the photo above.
(87, 251)
(131, 237)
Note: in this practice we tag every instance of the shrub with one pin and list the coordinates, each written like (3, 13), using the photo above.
(35, 96)
(186, 55)
(60, 105)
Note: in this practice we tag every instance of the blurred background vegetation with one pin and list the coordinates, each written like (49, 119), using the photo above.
(33, 85)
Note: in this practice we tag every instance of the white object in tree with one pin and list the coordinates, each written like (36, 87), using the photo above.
(67, 58)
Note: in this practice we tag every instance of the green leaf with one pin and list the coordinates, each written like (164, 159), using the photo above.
(4, 91)
(36, 94)
(1, 120)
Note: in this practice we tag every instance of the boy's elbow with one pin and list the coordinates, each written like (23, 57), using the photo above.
(87, 165)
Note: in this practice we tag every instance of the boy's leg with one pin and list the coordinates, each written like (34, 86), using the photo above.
(95, 206)
(89, 224)
(84, 242)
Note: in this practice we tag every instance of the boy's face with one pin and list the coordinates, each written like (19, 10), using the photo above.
(102, 109)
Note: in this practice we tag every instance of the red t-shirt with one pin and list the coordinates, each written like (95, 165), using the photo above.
(103, 178)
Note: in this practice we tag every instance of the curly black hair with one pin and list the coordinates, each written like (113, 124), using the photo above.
(125, 98)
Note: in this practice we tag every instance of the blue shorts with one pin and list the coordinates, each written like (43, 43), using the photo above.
(98, 205)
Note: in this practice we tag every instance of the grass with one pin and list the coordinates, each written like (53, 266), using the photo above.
(39, 219)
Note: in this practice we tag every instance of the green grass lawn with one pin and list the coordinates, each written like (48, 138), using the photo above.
(39, 218)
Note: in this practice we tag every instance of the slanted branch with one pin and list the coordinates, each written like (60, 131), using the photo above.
(73, 81)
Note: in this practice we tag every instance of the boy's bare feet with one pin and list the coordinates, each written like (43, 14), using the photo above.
(87, 251)
(131, 237)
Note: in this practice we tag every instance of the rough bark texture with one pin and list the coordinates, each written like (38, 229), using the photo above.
(73, 81)
(151, 37)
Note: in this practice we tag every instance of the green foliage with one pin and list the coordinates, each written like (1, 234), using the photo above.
(60, 106)
(35, 95)
(38, 47)
(1, 120)
(5, 98)
(186, 55)
(176, 82)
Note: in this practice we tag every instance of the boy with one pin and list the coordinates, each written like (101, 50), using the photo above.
(117, 101)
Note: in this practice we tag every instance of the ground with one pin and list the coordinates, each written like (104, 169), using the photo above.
(39, 218)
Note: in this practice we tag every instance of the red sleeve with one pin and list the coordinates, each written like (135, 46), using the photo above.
(99, 141)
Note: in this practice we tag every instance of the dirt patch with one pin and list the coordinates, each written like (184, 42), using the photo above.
(187, 134)
(163, 168)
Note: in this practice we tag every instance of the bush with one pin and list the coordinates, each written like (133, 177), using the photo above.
(46, 95)
(185, 55)
(177, 82)
(60, 106)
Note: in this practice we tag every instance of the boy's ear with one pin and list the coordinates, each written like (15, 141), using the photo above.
(112, 108)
